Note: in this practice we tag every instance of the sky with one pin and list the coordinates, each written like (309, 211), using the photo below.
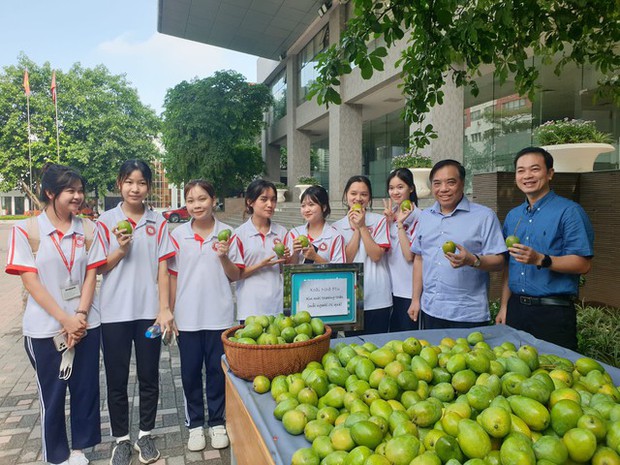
(120, 34)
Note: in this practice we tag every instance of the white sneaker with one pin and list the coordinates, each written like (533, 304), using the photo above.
(78, 459)
(219, 437)
(196, 439)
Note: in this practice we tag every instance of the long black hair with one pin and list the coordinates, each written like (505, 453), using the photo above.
(357, 178)
(405, 175)
(318, 195)
(130, 166)
(254, 191)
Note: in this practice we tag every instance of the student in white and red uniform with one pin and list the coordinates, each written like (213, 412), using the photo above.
(260, 287)
(402, 224)
(202, 301)
(62, 302)
(134, 296)
(367, 241)
(326, 244)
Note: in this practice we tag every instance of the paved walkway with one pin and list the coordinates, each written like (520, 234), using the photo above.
(20, 432)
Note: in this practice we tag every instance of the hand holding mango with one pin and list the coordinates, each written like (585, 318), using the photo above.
(356, 207)
(224, 235)
(405, 205)
(303, 241)
(125, 227)
(448, 247)
(279, 249)
(512, 240)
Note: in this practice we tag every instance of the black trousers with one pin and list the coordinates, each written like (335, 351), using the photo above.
(552, 323)
(117, 340)
(431, 322)
(400, 320)
(198, 349)
(375, 322)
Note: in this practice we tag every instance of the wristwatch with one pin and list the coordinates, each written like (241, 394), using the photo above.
(476, 263)
(546, 262)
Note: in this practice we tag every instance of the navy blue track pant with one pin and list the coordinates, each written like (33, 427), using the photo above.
(198, 349)
(117, 339)
(84, 400)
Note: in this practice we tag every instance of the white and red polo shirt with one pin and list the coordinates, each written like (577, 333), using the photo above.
(329, 245)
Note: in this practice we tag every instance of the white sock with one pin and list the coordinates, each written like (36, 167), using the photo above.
(143, 433)
(122, 438)
(76, 452)
(195, 429)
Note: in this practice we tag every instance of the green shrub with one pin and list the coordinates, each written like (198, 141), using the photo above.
(569, 131)
(598, 333)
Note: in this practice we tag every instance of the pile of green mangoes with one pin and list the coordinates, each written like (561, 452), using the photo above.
(459, 402)
(279, 329)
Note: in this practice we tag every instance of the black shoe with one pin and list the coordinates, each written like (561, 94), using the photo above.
(121, 454)
(145, 446)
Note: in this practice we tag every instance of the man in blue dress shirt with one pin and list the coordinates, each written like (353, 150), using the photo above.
(556, 246)
(450, 290)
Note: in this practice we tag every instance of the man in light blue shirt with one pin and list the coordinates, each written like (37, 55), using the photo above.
(450, 289)
(556, 246)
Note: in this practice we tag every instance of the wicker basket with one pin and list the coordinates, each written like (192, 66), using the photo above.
(248, 361)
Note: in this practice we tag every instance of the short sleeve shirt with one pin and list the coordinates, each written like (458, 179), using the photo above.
(456, 294)
(49, 263)
(204, 298)
(129, 291)
(261, 293)
(554, 226)
(401, 271)
(377, 286)
(329, 245)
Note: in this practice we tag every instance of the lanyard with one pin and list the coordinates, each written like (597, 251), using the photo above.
(68, 263)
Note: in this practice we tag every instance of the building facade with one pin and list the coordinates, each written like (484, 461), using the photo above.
(364, 133)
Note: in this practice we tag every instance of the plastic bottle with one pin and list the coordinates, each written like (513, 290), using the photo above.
(153, 332)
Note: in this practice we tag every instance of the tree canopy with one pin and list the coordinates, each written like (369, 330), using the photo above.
(210, 130)
(455, 38)
(101, 119)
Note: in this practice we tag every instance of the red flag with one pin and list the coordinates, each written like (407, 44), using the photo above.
(53, 86)
(26, 83)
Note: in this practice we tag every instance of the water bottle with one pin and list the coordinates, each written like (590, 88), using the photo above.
(153, 332)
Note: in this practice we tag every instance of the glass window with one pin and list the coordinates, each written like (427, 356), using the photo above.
(278, 91)
(307, 62)
(382, 139)
(319, 161)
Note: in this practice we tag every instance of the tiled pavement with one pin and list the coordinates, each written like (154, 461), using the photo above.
(20, 432)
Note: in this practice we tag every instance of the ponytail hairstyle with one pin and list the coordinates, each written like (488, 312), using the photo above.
(357, 178)
(318, 195)
(254, 191)
(130, 166)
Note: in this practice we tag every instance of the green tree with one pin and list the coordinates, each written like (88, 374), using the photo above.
(455, 38)
(210, 129)
(101, 119)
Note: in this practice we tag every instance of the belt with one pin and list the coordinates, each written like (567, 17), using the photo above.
(560, 300)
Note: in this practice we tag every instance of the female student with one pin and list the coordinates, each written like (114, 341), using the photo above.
(134, 296)
(325, 243)
(367, 240)
(203, 306)
(402, 221)
(259, 289)
(61, 320)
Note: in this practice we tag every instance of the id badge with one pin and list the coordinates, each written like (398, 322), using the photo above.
(71, 291)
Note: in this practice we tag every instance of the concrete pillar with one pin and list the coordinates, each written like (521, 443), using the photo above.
(297, 142)
(271, 157)
(345, 147)
(447, 119)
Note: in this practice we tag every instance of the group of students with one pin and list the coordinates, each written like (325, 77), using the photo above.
(181, 282)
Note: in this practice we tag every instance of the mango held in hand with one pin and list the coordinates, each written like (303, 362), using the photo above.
(224, 235)
(303, 240)
(356, 207)
(448, 247)
(405, 205)
(512, 240)
(279, 249)
(124, 226)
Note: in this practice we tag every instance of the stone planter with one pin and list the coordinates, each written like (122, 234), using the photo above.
(576, 158)
(281, 195)
(421, 181)
(302, 188)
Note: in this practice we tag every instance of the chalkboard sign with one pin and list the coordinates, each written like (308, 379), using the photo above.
(333, 292)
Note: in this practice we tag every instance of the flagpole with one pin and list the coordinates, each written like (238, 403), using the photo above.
(27, 90)
(55, 99)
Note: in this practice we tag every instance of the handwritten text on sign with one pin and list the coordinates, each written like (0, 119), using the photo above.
(324, 297)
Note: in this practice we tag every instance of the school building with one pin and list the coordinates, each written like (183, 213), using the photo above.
(365, 132)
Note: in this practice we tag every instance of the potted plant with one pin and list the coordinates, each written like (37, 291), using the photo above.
(420, 166)
(303, 182)
(281, 190)
(575, 144)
